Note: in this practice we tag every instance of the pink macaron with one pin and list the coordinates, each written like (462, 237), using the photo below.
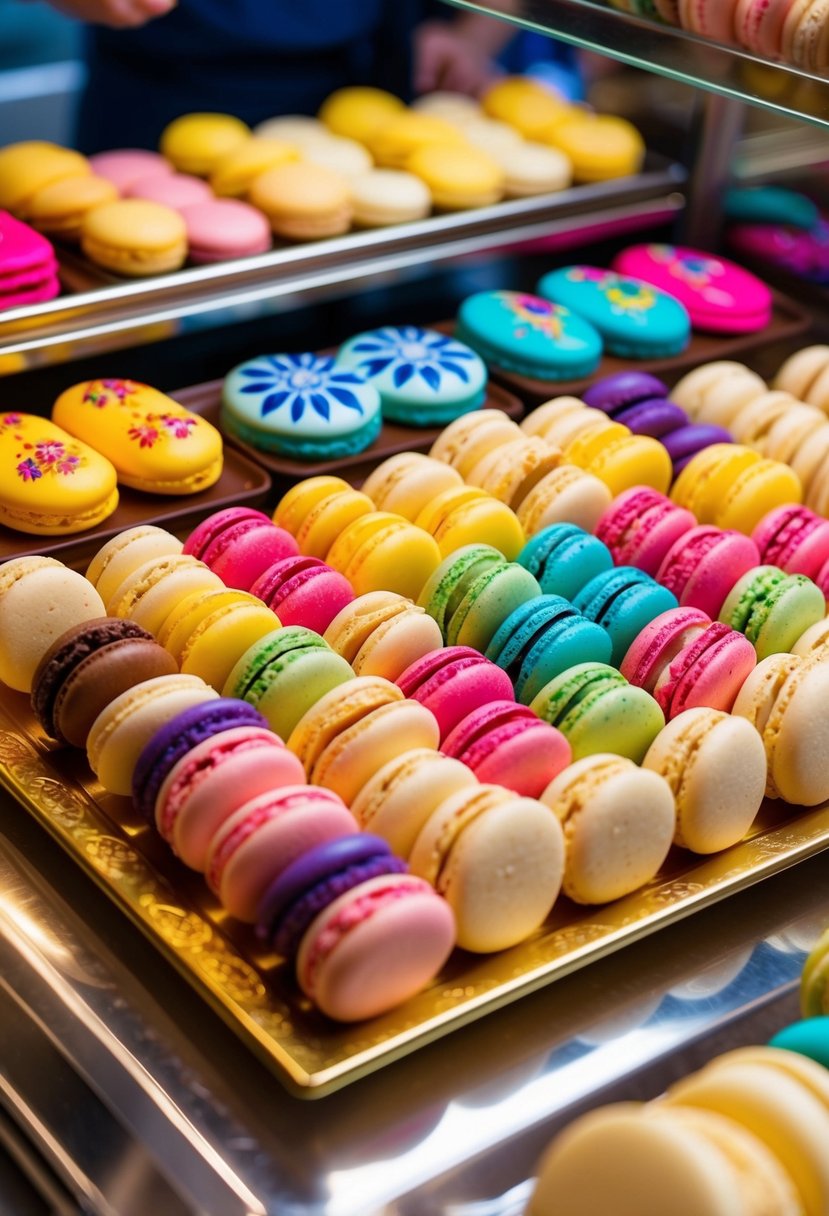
(685, 660)
(213, 780)
(176, 190)
(711, 18)
(126, 166)
(508, 744)
(304, 591)
(264, 836)
(704, 564)
(795, 539)
(239, 544)
(640, 526)
(758, 25)
(453, 682)
(223, 228)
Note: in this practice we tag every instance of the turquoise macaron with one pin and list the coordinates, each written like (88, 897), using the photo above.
(447, 586)
(529, 335)
(303, 406)
(623, 601)
(285, 673)
(543, 638)
(424, 377)
(635, 320)
(596, 710)
(771, 205)
(808, 1038)
(563, 557)
(773, 609)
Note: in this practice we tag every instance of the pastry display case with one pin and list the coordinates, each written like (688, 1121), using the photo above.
(152, 1063)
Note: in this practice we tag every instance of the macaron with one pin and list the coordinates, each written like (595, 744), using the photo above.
(149, 594)
(497, 859)
(402, 795)
(531, 168)
(88, 666)
(354, 730)
(40, 599)
(804, 375)
(268, 832)
(507, 744)
(530, 335)
(357, 111)
(623, 601)
(446, 588)
(467, 439)
(458, 178)
(382, 551)
(524, 103)
(597, 710)
(452, 682)
(196, 143)
(298, 129)
(223, 228)
(58, 209)
(134, 237)
(394, 143)
(214, 644)
(715, 765)
(304, 591)
(235, 172)
(793, 538)
(381, 197)
(563, 558)
(641, 527)
(734, 487)
(344, 156)
(381, 634)
(466, 515)
(541, 639)
(612, 849)
(568, 494)
(600, 147)
(284, 674)
(685, 660)
(239, 544)
(123, 729)
(809, 1038)
(316, 510)
(30, 165)
(814, 998)
(182, 628)
(124, 167)
(407, 482)
(703, 565)
(773, 609)
(303, 202)
(176, 190)
(621, 459)
(121, 556)
(486, 601)
(785, 698)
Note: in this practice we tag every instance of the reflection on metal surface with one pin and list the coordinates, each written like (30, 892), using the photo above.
(109, 314)
(669, 51)
(256, 994)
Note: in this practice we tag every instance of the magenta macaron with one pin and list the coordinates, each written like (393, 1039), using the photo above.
(304, 591)
(641, 525)
(223, 228)
(704, 564)
(239, 544)
(685, 660)
(453, 682)
(508, 744)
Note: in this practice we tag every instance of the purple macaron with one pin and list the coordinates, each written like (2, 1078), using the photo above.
(684, 443)
(176, 739)
(654, 417)
(617, 392)
(314, 881)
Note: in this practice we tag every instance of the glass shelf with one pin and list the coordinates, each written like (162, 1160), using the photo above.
(670, 52)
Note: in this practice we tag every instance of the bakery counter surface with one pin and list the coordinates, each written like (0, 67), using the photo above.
(139, 1098)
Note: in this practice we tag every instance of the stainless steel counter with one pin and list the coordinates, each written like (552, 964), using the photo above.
(140, 1100)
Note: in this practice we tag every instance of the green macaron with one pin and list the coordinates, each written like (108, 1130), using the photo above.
(443, 592)
(488, 601)
(773, 608)
(598, 711)
(285, 673)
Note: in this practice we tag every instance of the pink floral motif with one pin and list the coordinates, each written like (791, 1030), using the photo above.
(177, 425)
(146, 435)
(100, 392)
(28, 470)
(68, 465)
(49, 451)
(49, 457)
(12, 419)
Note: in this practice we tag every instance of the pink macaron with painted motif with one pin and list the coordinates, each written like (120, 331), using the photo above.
(508, 744)
(703, 565)
(454, 681)
(304, 591)
(239, 544)
(640, 527)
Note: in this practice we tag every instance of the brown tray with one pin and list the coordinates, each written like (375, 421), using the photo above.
(242, 481)
(205, 399)
(788, 319)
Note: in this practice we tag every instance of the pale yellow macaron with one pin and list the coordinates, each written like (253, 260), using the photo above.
(599, 146)
(303, 201)
(59, 208)
(395, 140)
(195, 143)
(532, 168)
(134, 237)
(388, 196)
(358, 111)
(27, 167)
(343, 155)
(297, 129)
(235, 172)
(456, 108)
(458, 177)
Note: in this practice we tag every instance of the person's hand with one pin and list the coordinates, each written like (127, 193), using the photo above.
(120, 14)
(444, 58)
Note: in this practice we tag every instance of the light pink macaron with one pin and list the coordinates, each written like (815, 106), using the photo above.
(264, 836)
(213, 780)
(759, 25)
(507, 744)
(126, 166)
(225, 228)
(176, 190)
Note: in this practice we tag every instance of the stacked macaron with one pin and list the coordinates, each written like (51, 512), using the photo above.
(805, 375)
(28, 268)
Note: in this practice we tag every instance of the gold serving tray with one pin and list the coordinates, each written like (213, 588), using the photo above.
(255, 992)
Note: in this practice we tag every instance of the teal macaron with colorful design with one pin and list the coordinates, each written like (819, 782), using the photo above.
(635, 320)
(563, 557)
(596, 710)
(529, 335)
(542, 638)
(424, 377)
(302, 406)
(623, 601)
(773, 608)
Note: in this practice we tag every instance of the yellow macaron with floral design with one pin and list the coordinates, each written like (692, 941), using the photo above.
(155, 444)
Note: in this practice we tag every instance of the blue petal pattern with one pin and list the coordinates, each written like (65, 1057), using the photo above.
(410, 353)
(302, 382)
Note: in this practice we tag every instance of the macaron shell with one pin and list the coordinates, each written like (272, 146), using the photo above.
(488, 603)
(215, 644)
(462, 684)
(189, 613)
(304, 591)
(397, 643)
(382, 960)
(385, 552)
(704, 565)
(563, 558)
(120, 557)
(597, 713)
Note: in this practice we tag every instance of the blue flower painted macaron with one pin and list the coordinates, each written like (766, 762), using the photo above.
(529, 335)
(304, 406)
(424, 377)
(636, 320)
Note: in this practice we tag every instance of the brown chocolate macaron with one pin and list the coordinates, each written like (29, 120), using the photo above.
(87, 667)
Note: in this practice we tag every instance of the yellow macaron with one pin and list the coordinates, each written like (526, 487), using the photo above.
(134, 237)
(466, 515)
(394, 142)
(195, 143)
(599, 146)
(384, 552)
(356, 112)
(524, 104)
(234, 173)
(25, 168)
(302, 201)
(59, 209)
(458, 177)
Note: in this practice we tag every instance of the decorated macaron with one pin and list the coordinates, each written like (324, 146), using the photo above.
(635, 319)
(529, 335)
(305, 406)
(424, 378)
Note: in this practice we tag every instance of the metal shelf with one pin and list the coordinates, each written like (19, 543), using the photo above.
(113, 315)
(671, 52)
